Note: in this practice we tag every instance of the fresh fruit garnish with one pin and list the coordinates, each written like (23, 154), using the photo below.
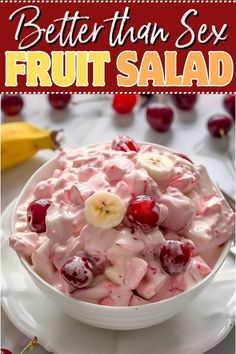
(219, 125)
(229, 103)
(124, 143)
(78, 272)
(185, 101)
(36, 214)
(123, 103)
(5, 351)
(11, 105)
(143, 212)
(175, 256)
(59, 101)
(159, 116)
(158, 166)
(104, 210)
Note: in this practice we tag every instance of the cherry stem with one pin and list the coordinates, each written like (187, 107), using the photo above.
(222, 133)
(56, 141)
(30, 346)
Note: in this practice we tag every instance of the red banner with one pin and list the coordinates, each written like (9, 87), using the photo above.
(118, 46)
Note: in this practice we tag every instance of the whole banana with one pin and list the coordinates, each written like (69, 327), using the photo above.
(20, 141)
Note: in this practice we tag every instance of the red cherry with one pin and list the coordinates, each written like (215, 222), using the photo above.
(78, 271)
(59, 101)
(5, 351)
(143, 212)
(124, 103)
(159, 117)
(11, 105)
(36, 214)
(229, 103)
(124, 143)
(185, 101)
(175, 256)
(99, 261)
(219, 125)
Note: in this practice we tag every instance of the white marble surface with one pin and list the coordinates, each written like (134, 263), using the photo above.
(94, 121)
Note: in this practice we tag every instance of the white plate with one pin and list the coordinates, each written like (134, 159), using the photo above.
(203, 324)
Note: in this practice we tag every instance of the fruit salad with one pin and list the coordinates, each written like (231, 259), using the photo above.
(123, 224)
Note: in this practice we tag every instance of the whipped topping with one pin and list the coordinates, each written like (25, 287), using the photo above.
(126, 260)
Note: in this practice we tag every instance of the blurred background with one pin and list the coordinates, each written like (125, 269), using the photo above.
(199, 126)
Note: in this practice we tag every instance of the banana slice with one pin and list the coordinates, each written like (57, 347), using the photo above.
(158, 166)
(104, 210)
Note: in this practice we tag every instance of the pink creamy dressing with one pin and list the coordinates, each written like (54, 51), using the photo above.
(127, 265)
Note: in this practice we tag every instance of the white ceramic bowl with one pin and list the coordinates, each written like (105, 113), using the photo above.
(118, 318)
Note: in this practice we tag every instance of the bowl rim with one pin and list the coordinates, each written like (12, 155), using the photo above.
(214, 270)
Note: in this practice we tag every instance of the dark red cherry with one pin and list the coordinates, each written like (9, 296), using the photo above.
(219, 125)
(11, 105)
(185, 101)
(36, 214)
(143, 212)
(159, 116)
(78, 271)
(59, 101)
(229, 103)
(175, 256)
